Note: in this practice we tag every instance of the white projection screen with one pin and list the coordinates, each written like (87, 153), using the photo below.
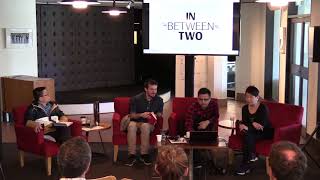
(210, 27)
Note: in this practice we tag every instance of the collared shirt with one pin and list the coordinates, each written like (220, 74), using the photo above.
(139, 104)
(196, 114)
(47, 108)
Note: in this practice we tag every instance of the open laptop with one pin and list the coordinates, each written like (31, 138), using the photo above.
(203, 137)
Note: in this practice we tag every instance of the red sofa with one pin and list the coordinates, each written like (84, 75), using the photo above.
(121, 108)
(31, 142)
(180, 106)
(287, 121)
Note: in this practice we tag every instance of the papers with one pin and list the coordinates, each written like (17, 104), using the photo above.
(54, 120)
(45, 121)
(179, 141)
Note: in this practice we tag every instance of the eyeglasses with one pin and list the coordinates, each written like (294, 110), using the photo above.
(200, 99)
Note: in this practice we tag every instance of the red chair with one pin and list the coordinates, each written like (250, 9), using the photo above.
(179, 109)
(121, 108)
(287, 121)
(31, 142)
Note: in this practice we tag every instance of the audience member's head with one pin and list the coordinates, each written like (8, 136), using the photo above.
(40, 94)
(171, 163)
(74, 158)
(252, 95)
(204, 97)
(286, 161)
(151, 87)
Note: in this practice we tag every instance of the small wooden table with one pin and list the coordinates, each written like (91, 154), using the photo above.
(99, 128)
(228, 124)
(221, 144)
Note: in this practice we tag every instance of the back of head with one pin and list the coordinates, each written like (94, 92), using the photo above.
(287, 161)
(171, 163)
(74, 158)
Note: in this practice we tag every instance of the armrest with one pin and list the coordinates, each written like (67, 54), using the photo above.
(76, 128)
(116, 122)
(288, 133)
(173, 124)
(158, 126)
(27, 135)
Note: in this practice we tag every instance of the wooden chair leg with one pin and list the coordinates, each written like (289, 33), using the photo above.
(115, 152)
(267, 165)
(21, 158)
(48, 165)
(230, 156)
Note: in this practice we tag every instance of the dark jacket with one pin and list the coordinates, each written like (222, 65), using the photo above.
(35, 111)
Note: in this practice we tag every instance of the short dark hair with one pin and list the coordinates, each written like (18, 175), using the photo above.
(253, 91)
(204, 91)
(74, 157)
(284, 167)
(150, 82)
(37, 93)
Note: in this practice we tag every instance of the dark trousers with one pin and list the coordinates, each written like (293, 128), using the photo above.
(249, 142)
(61, 134)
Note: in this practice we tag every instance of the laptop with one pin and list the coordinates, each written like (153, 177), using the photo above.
(203, 137)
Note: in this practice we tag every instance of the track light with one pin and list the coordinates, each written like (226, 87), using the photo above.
(130, 4)
(79, 4)
(114, 11)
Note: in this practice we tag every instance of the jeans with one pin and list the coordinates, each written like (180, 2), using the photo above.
(145, 130)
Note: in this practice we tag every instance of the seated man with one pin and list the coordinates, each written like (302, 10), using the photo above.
(74, 160)
(141, 108)
(171, 163)
(42, 107)
(203, 116)
(286, 161)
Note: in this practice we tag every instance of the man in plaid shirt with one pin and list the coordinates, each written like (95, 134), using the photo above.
(204, 114)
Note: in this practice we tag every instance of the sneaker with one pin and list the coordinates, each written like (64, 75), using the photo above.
(253, 158)
(132, 159)
(243, 170)
(145, 158)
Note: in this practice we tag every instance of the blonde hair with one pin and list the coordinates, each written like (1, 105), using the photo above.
(171, 162)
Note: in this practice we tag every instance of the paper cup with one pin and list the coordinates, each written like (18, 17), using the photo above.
(188, 134)
(159, 137)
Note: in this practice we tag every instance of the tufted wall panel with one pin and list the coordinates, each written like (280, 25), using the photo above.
(84, 49)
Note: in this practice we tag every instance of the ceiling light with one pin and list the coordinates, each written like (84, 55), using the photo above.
(277, 4)
(114, 11)
(79, 4)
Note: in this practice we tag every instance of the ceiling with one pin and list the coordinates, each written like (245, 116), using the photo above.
(119, 3)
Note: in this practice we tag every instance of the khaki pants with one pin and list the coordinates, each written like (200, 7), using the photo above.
(145, 129)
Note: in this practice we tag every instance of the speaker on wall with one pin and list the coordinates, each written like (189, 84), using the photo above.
(316, 44)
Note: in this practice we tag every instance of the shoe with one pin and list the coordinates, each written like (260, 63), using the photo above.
(132, 159)
(243, 170)
(253, 158)
(145, 158)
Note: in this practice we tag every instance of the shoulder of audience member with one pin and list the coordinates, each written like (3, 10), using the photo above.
(105, 178)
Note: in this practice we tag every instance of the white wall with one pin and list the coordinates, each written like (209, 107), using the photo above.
(18, 14)
(180, 76)
(217, 76)
(251, 62)
(200, 73)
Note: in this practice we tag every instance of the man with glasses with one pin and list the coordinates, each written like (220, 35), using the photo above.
(204, 114)
(43, 107)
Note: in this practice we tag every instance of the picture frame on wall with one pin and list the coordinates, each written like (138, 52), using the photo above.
(18, 38)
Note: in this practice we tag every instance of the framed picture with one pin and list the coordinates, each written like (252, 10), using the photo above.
(18, 38)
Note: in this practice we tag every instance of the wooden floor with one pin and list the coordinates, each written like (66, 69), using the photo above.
(233, 109)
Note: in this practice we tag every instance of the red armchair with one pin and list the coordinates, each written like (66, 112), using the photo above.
(121, 108)
(179, 109)
(31, 142)
(287, 121)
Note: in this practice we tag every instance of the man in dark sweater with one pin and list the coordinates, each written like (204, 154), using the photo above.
(43, 107)
(142, 107)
